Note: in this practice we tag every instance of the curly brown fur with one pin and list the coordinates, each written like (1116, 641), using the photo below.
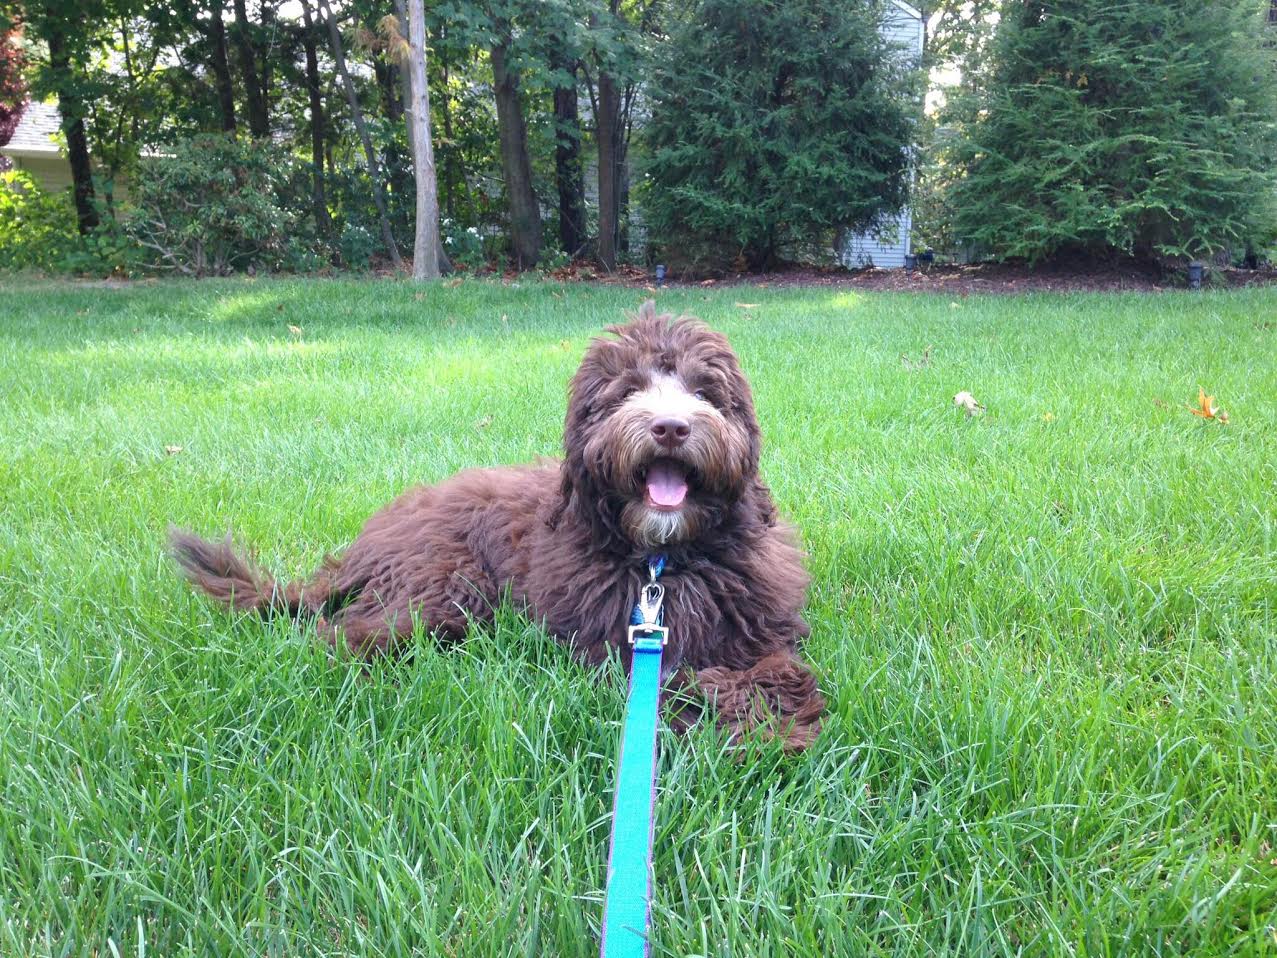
(661, 455)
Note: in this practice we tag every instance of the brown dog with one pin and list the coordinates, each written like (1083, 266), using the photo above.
(661, 457)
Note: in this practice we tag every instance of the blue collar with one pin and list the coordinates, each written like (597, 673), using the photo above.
(627, 906)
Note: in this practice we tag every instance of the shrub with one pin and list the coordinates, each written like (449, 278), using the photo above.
(357, 245)
(37, 229)
(216, 204)
(774, 123)
(1142, 128)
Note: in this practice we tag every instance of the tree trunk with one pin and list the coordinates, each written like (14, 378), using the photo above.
(390, 88)
(451, 175)
(258, 122)
(567, 164)
(322, 220)
(221, 69)
(71, 106)
(357, 114)
(264, 60)
(525, 216)
(425, 255)
(405, 81)
(609, 139)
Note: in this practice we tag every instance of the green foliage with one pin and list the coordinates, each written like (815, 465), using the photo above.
(357, 245)
(772, 123)
(464, 245)
(1143, 128)
(37, 229)
(216, 204)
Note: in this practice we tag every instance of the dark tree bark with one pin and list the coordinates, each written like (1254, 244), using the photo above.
(258, 121)
(322, 221)
(567, 164)
(357, 114)
(221, 68)
(452, 177)
(264, 58)
(391, 84)
(71, 106)
(525, 216)
(609, 142)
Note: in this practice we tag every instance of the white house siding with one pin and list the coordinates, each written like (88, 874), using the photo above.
(902, 27)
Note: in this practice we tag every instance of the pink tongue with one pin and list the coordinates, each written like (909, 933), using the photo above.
(666, 484)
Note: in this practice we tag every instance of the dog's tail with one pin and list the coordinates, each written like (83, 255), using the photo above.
(230, 578)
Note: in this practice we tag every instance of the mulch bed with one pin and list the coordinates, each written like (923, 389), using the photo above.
(950, 280)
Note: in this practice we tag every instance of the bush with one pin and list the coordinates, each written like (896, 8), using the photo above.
(774, 123)
(215, 205)
(357, 245)
(38, 230)
(1143, 128)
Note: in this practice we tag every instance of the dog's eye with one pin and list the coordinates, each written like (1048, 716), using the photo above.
(699, 394)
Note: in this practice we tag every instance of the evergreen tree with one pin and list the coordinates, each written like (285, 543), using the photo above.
(1142, 128)
(774, 122)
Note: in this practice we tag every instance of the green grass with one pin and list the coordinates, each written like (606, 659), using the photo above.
(1049, 644)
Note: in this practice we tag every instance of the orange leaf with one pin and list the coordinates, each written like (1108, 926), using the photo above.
(1206, 407)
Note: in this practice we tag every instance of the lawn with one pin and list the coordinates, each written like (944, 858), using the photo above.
(1048, 634)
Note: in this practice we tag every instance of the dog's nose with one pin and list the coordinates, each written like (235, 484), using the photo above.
(670, 432)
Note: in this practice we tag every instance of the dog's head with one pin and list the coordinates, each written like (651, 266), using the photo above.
(661, 438)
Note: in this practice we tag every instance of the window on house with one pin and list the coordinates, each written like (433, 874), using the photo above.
(1272, 12)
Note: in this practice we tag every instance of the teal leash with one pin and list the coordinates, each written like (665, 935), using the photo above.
(627, 905)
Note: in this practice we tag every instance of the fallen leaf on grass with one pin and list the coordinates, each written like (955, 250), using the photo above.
(172, 450)
(1048, 417)
(1207, 409)
(483, 423)
(295, 330)
(964, 400)
(1161, 404)
(454, 283)
(749, 305)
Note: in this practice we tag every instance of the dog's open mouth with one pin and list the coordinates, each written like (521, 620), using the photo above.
(666, 482)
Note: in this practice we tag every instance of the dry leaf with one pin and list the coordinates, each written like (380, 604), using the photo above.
(172, 450)
(295, 330)
(454, 283)
(418, 296)
(964, 400)
(1207, 409)
(1048, 417)
(708, 282)
(748, 305)
(650, 289)
(1161, 403)
(483, 423)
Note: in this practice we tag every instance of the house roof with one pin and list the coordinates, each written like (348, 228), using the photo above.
(35, 131)
(911, 11)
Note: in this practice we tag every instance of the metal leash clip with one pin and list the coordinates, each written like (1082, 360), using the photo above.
(650, 630)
